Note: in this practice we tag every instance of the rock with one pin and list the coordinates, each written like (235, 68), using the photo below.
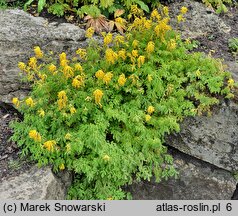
(19, 33)
(200, 21)
(35, 184)
(212, 139)
(233, 68)
(197, 181)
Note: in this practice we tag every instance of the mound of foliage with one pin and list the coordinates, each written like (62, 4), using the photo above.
(104, 113)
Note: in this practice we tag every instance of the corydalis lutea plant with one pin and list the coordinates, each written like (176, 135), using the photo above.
(106, 121)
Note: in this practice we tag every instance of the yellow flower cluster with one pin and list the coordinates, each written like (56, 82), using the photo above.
(67, 136)
(162, 27)
(141, 61)
(52, 68)
(33, 63)
(68, 71)
(150, 109)
(72, 110)
(147, 117)
(16, 101)
(122, 80)
(150, 47)
(29, 102)
(231, 83)
(62, 167)
(107, 77)
(107, 39)
(155, 15)
(100, 74)
(63, 59)
(89, 32)
(183, 10)
(82, 53)
(134, 53)
(111, 56)
(122, 54)
(106, 158)
(166, 11)
(38, 52)
(135, 44)
(49, 145)
(119, 39)
(98, 96)
(41, 112)
(78, 67)
(62, 100)
(21, 66)
(78, 81)
(33, 134)
(171, 44)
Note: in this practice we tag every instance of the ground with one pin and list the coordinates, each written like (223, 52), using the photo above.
(11, 165)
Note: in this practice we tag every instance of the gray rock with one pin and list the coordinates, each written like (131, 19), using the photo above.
(19, 33)
(212, 139)
(233, 68)
(200, 20)
(35, 184)
(197, 181)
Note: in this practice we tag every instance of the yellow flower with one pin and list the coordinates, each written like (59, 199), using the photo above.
(49, 145)
(62, 56)
(78, 67)
(147, 24)
(122, 54)
(68, 71)
(98, 96)
(147, 117)
(72, 110)
(33, 134)
(38, 52)
(122, 80)
(198, 73)
(29, 102)
(82, 53)
(184, 10)
(150, 109)
(67, 136)
(135, 43)
(150, 47)
(162, 27)
(42, 76)
(62, 167)
(109, 198)
(32, 62)
(107, 39)
(172, 44)
(41, 112)
(68, 147)
(62, 100)
(15, 101)
(166, 11)
(106, 158)
(134, 53)
(21, 66)
(107, 78)
(78, 81)
(119, 39)
(111, 56)
(52, 68)
(231, 82)
(154, 13)
(149, 77)
(141, 61)
(180, 18)
(89, 32)
(121, 21)
(100, 74)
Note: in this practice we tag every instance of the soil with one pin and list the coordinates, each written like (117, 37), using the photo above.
(218, 41)
(10, 162)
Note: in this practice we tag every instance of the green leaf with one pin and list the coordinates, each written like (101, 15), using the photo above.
(143, 6)
(27, 4)
(41, 4)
